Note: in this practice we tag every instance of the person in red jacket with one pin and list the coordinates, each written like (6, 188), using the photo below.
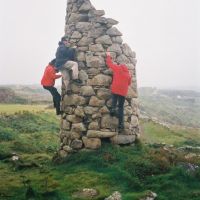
(48, 82)
(119, 88)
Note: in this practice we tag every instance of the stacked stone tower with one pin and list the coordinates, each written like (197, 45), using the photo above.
(86, 122)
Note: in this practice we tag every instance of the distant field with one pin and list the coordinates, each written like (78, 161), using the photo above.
(174, 107)
(13, 108)
(178, 136)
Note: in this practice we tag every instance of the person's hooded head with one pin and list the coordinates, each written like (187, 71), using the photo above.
(122, 66)
(64, 40)
(53, 62)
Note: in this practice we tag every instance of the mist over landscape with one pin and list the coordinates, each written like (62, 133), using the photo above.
(71, 146)
(164, 34)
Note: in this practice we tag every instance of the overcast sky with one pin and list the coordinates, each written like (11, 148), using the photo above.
(165, 34)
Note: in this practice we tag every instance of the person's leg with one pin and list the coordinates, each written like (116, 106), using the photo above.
(114, 103)
(66, 78)
(72, 70)
(56, 97)
(54, 103)
(121, 100)
(74, 67)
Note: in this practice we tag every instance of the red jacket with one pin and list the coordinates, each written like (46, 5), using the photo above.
(121, 77)
(49, 76)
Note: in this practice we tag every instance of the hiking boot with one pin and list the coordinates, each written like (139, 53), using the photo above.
(120, 128)
(77, 81)
(113, 112)
(59, 112)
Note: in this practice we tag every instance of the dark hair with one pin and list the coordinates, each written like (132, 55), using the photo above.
(53, 62)
(65, 38)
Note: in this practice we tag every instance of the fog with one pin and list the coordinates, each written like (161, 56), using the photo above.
(163, 33)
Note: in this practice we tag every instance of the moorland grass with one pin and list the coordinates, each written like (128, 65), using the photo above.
(132, 170)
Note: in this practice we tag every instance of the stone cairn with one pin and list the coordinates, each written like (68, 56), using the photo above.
(86, 122)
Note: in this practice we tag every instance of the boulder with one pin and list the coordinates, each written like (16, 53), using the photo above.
(94, 101)
(115, 48)
(87, 91)
(79, 127)
(77, 144)
(104, 39)
(74, 100)
(100, 80)
(115, 196)
(86, 6)
(83, 26)
(108, 122)
(100, 134)
(96, 48)
(113, 32)
(76, 35)
(123, 139)
(91, 143)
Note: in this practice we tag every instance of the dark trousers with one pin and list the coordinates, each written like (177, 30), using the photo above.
(120, 100)
(56, 97)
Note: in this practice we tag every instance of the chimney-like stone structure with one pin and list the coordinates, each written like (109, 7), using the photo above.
(86, 122)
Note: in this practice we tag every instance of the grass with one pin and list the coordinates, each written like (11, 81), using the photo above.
(131, 170)
(169, 109)
(14, 108)
(155, 133)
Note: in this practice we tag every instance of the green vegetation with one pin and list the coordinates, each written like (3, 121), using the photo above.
(171, 106)
(132, 170)
(15, 108)
(155, 133)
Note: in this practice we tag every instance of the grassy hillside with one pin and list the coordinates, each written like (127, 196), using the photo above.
(30, 94)
(7, 95)
(14, 108)
(154, 133)
(177, 107)
(171, 106)
(131, 170)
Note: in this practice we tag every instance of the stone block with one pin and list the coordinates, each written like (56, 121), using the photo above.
(87, 91)
(108, 122)
(89, 110)
(94, 101)
(74, 100)
(85, 41)
(79, 111)
(65, 125)
(77, 144)
(100, 80)
(93, 126)
(105, 40)
(74, 119)
(96, 48)
(100, 134)
(104, 93)
(91, 143)
(83, 26)
(123, 139)
(79, 127)
(113, 32)
(81, 56)
(115, 48)
(86, 6)
(76, 35)
(127, 51)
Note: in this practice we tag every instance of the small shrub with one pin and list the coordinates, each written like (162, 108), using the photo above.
(26, 146)
(7, 134)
